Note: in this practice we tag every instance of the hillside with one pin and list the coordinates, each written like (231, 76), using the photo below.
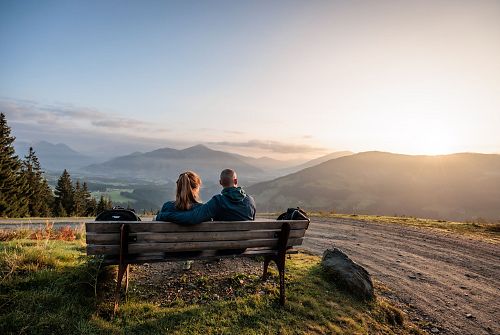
(459, 186)
(319, 160)
(165, 164)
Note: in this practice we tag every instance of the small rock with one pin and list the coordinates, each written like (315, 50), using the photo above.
(468, 316)
(412, 277)
(434, 330)
(187, 265)
(398, 261)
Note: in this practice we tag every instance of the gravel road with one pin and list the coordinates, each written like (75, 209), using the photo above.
(448, 280)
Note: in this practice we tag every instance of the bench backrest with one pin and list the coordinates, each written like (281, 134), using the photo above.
(103, 238)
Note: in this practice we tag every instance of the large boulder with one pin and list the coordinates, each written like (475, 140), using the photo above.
(347, 274)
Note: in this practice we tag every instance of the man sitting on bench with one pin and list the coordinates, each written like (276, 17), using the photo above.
(232, 204)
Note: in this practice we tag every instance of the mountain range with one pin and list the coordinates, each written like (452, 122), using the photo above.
(165, 164)
(55, 157)
(458, 186)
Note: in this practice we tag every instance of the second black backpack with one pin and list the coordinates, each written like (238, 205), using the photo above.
(293, 214)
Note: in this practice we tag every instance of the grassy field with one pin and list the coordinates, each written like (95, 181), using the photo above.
(114, 195)
(48, 285)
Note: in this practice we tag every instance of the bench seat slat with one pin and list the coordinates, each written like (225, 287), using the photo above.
(206, 255)
(114, 238)
(157, 226)
(93, 249)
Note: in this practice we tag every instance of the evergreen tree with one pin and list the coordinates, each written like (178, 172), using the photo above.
(91, 207)
(104, 204)
(39, 195)
(59, 209)
(64, 195)
(90, 202)
(13, 188)
(79, 205)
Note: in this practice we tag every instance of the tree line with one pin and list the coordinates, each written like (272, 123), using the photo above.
(25, 192)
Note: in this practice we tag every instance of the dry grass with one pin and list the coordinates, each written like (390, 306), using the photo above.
(48, 232)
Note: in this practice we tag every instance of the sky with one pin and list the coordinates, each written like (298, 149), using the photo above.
(284, 79)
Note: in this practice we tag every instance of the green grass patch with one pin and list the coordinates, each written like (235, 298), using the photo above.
(50, 287)
(115, 195)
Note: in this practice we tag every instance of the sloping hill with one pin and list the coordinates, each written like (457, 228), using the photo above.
(458, 186)
(266, 163)
(165, 164)
(322, 159)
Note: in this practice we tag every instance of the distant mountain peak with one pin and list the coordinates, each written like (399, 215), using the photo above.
(198, 147)
(44, 145)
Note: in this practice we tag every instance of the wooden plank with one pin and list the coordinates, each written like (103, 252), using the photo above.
(157, 226)
(114, 238)
(93, 249)
(211, 254)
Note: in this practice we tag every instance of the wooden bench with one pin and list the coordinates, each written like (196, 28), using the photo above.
(129, 242)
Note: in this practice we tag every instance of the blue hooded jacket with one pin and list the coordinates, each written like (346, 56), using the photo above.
(233, 204)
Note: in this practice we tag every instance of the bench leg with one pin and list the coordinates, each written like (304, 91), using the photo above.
(281, 270)
(281, 258)
(121, 272)
(267, 259)
(123, 266)
(127, 274)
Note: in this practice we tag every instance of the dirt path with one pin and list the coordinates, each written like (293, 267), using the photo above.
(451, 281)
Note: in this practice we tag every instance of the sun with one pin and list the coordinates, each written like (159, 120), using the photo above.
(434, 140)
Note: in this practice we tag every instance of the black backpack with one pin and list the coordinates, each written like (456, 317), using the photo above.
(293, 214)
(117, 214)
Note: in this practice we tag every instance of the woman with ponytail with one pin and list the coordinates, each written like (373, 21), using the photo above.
(187, 195)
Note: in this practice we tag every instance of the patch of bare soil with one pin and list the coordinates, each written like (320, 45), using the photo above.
(448, 283)
(168, 284)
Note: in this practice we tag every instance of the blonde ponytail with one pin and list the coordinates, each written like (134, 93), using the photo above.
(188, 189)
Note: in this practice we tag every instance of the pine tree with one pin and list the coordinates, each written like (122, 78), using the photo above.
(79, 206)
(92, 207)
(64, 195)
(13, 188)
(59, 209)
(90, 202)
(39, 195)
(104, 204)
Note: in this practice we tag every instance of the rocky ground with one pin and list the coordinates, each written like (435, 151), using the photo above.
(448, 283)
(169, 284)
